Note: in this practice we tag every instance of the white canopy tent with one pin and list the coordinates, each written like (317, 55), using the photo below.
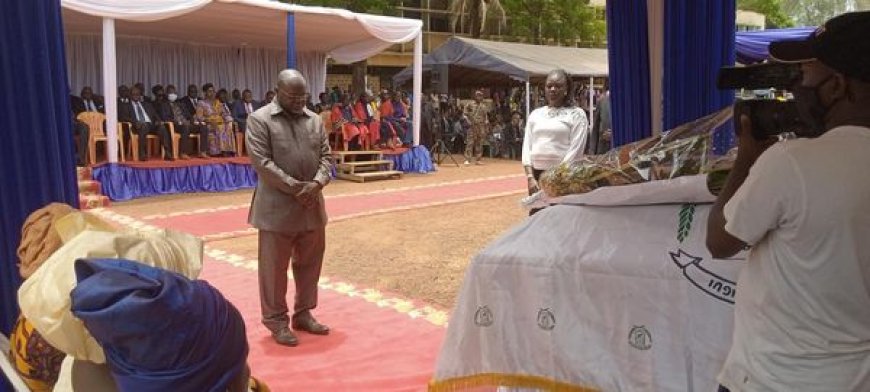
(240, 25)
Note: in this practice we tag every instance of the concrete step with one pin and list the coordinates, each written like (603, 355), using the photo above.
(369, 176)
(87, 202)
(84, 173)
(90, 187)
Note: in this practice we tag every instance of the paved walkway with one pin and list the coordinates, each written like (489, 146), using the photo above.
(379, 342)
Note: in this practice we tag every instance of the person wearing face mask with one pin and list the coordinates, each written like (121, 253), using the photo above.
(802, 310)
(170, 112)
(290, 152)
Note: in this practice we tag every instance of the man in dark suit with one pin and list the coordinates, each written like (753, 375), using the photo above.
(145, 121)
(270, 95)
(184, 122)
(189, 102)
(87, 102)
(242, 108)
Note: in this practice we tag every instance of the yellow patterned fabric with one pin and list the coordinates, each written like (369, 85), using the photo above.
(255, 385)
(34, 359)
(44, 298)
(38, 237)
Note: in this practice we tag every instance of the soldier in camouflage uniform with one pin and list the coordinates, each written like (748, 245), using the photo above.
(477, 113)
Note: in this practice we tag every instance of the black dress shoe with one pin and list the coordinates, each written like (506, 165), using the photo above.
(310, 325)
(285, 337)
(168, 158)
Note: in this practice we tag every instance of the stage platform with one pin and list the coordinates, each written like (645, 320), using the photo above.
(131, 180)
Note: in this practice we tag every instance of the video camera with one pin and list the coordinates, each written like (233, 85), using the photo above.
(769, 117)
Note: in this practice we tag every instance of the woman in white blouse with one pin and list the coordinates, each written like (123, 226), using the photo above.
(554, 133)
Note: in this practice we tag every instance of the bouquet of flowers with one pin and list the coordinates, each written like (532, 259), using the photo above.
(681, 151)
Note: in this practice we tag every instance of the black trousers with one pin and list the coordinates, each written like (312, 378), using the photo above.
(185, 130)
(143, 129)
(537, 175)
(81, 130)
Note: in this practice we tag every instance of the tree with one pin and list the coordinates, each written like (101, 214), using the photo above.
(815, 12)
(359, 69)
(774, 16)
(562, 21)
(475, 14)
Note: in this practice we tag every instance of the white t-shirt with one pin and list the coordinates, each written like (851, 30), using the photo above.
(553, 136)
(802, 313)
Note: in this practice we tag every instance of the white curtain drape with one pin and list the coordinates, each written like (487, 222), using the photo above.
(386, 31)
(139, 10)
(313, 67)
(153, 62)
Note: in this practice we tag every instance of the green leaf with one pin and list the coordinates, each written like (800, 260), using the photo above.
(687, 215)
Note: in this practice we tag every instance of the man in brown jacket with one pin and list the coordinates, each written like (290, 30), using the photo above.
(291, 155)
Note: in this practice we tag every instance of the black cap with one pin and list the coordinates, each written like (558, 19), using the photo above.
(842, 43)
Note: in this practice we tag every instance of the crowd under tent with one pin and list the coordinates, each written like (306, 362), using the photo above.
(476, 62)
(232, 43)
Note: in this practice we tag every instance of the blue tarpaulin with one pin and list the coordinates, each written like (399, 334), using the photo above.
(752, 45)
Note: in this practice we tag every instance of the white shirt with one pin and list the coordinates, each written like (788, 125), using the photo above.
(140, 113)
(802, 313)
(553, 136)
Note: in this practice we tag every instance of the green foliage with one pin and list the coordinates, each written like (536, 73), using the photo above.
(814, 12)
(687, 215)
(562, 21)
(382, 7)
(775, 16)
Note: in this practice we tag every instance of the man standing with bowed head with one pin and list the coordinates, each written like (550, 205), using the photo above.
(290, 152)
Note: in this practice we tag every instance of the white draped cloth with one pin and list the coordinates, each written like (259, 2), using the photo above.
(618, 298)
(153, 61)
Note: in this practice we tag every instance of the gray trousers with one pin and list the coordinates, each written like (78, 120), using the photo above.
(275, 251)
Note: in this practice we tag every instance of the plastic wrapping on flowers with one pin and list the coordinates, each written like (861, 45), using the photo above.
(681, 151)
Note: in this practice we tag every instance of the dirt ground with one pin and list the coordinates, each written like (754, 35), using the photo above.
(419, 254)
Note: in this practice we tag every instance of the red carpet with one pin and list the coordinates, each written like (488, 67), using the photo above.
(339, 206)
(369, 348)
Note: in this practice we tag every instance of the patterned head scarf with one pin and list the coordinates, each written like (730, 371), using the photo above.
(160, 330)
(38, 237)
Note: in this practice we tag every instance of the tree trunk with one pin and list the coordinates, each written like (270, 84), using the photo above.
(359, 70)
(474, 16)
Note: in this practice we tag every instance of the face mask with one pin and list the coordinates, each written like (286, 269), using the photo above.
(810, 106)
(172, 97)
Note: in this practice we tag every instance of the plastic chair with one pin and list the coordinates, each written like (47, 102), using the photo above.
(97, 133)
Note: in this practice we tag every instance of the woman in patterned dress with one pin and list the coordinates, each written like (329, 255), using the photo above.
(219, 122)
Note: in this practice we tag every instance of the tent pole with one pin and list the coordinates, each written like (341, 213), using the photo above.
(591, 97)
(110, 89)
(528, 104)
(418, 85)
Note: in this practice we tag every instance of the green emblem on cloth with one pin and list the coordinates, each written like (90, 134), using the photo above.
(687, 214)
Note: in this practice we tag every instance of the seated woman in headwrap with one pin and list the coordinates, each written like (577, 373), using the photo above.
(352, 130)
(367, 111)
(160, 330)
(35, 360)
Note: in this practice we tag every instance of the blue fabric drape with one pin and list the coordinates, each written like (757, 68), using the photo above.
(36, 127)
(122, 182)
(751, 46)
(291, 40)
(699, 39)
(415, 160)
(628, 59)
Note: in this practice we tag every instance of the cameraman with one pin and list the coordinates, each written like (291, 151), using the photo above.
(802, 313)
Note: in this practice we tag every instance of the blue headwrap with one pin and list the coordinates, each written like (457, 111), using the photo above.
(160, 330)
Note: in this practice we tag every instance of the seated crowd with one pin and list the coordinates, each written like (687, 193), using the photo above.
(214, 118)
(361, 121)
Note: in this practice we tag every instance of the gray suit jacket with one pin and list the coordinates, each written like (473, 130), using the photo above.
(286, 150)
